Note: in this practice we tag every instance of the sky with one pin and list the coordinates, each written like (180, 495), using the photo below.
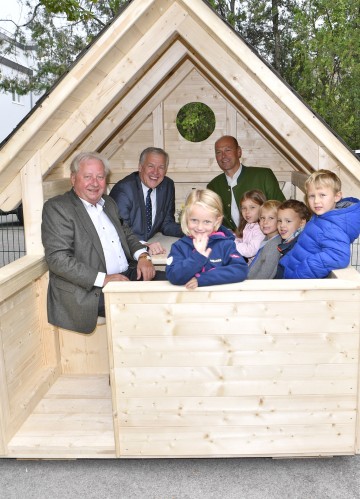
(11, 9)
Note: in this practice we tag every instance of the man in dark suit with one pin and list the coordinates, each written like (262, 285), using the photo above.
(149, 187)
(87, 246)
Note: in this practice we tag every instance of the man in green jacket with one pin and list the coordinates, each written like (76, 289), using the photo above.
(238, 178)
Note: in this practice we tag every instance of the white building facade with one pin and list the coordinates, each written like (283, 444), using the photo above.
(14, 107)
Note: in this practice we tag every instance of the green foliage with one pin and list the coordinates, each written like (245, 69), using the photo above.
(60, 30)
(195, 121)
(313, 44)
(324, 66)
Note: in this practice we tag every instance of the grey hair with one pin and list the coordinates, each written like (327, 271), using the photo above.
(154, 150)
(84, 156)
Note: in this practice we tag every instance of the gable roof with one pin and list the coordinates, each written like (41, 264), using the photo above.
(149, 43)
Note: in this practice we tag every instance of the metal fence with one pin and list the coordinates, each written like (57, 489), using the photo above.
(12, 241)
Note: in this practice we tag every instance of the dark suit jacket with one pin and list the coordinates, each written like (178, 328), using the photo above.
(129, 197)
(75, 256)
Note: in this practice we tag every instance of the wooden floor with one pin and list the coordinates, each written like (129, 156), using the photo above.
(73, 420)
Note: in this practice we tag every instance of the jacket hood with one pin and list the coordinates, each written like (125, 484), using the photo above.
(346, 216)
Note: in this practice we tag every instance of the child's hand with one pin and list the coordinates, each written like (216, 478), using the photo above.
(192, 284)
(155, 248)
(200, 244)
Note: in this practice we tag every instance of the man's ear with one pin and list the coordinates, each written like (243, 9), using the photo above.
(72, 179)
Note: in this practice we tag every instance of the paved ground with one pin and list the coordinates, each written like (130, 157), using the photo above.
(257, 478)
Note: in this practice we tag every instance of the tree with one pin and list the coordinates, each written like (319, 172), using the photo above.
(313, 44)
(324, 63)
(60, 30)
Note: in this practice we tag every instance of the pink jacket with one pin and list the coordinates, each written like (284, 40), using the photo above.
(249, 244)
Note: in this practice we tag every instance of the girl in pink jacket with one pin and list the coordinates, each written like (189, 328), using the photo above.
(248, 234)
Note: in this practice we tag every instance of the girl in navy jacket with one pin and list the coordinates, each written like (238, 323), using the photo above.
(207, 254)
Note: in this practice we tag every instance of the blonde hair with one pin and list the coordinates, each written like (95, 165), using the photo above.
(324, 178)
(271, 204)
(205, 198)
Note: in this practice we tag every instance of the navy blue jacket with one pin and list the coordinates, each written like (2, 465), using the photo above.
(224, 265)
(129, 198)
(324, 244)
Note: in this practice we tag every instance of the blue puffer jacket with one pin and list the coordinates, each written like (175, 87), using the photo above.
(223, 266)
(324, 244)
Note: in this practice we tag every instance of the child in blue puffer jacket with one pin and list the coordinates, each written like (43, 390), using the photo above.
(324, 244)
(207, 254)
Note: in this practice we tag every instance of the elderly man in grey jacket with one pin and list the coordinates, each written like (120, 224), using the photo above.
(87, 246)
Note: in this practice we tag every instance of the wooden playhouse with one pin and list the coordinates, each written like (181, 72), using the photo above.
(260, 368)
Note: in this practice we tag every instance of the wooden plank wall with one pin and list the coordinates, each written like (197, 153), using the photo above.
(238, 370)
(29, 354)
(193, 164)
(84, 353)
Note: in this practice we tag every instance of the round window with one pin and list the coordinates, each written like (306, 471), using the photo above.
(195, 121)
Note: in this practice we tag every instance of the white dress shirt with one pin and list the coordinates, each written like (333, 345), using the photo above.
(232, 181)
(115, 258)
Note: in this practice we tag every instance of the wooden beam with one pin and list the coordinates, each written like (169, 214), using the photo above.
(138, 95)
(158, 126)
(242, 83)
(147, 109)
(81, 72)
(236, 101)
(106, 94)
(18, 274)
(32, 201)
(247, 58)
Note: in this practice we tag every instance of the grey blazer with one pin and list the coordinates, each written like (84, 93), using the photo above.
(75, 256)
(129, 198)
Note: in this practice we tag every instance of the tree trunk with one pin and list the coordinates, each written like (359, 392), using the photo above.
(276, 33)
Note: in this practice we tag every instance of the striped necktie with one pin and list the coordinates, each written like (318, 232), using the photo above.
(148, 210)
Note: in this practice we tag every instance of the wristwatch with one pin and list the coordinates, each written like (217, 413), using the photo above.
(145, 255)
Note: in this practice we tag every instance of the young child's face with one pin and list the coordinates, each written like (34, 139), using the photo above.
(288, 222)
(201, 221)
(268, 222)
(322, 199)
(250, 211)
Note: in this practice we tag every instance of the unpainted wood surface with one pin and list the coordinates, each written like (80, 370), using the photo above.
(73, 420)
(84, 353)
(193, 376)
(28, 357)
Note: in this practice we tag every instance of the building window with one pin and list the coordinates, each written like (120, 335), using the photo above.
(17, 98)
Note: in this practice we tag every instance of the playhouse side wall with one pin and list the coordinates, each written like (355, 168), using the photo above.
(29, 353)
(264, 369)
